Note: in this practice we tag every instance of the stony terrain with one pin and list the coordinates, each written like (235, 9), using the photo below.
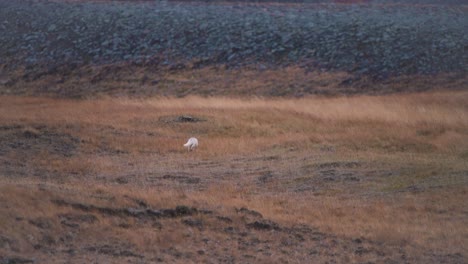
(48, 46)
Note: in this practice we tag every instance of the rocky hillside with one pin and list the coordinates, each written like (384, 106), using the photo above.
(379, 41)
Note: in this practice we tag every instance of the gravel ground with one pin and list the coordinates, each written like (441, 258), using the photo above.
(376, 40)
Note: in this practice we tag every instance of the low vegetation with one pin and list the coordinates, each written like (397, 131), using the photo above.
(329, 131)
(347, 179)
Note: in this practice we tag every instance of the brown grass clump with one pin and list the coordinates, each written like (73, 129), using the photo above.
(387, 170)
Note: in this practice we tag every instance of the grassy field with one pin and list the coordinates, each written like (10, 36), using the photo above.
(378, 179)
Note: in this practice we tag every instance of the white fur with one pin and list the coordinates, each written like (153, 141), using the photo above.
(191, 144)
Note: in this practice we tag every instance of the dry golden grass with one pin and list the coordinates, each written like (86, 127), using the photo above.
(406, 156)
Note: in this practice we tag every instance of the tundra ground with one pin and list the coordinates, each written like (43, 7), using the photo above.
(374, 179)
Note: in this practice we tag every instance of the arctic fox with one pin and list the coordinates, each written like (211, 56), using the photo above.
(191, 144)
